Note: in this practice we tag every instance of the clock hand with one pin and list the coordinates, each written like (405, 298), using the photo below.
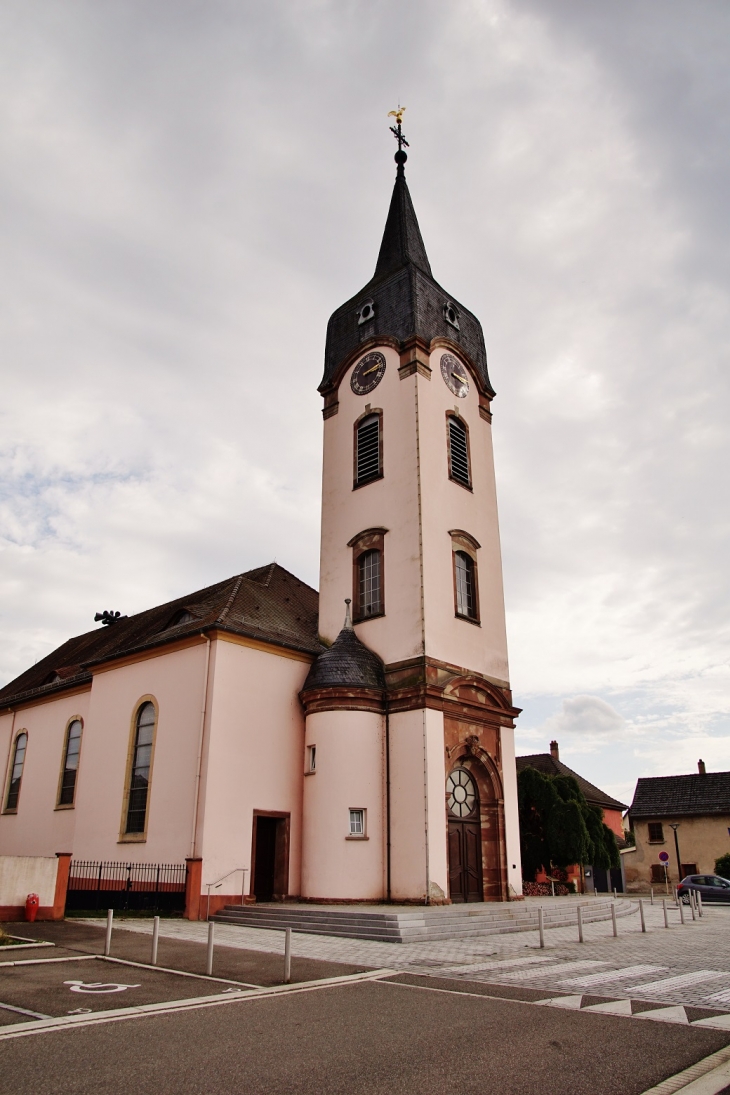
(459, 377)
(373, 370)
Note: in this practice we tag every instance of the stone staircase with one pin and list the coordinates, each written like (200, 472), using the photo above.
(419, 924)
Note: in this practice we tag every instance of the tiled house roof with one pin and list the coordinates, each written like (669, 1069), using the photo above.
(268, 604)
(681, 796)
(551, 766)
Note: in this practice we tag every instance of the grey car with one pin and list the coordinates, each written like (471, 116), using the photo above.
(711, 886)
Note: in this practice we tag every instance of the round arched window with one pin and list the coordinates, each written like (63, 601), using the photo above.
(462, 793)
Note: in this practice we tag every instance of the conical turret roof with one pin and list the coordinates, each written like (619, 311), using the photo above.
(347, 664)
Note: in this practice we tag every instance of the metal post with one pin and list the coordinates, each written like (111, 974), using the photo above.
(155, 938)
(109, 926)
(614, 893)
(287, 956)
(613, 918)
(699, 903)
(692, 901)
(541, 925)
(666, 916)
(641, 914)
(652, 895)
(209, 961)
(681, 908)
(580, 924)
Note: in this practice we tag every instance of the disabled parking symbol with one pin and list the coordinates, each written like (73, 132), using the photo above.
(98, 986)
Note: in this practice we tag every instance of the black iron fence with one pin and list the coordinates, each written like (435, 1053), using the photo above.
(153, 887)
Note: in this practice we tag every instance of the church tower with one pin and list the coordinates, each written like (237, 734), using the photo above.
(410, 790)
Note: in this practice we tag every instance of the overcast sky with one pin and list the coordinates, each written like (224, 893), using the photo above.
(188, 189)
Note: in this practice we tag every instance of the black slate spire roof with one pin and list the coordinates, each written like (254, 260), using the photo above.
(406, 299)
(347, 664)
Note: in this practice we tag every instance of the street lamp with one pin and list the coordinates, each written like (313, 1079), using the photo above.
(675, 825)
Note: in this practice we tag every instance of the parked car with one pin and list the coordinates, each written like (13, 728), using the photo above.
(711, 886)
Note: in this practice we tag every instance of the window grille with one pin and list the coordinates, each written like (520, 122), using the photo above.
(465, 599)
(357, 823)
(367, 457)
(140, 775)
(70, 764)
(458, 452)
(656, 832)
(16, 773)
(370, 601)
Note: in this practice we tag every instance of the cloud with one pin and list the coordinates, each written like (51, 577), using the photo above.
(190, 190)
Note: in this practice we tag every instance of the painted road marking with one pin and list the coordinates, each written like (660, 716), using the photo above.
(612, 1007)
(98, 986)
(614, 975)
(559, 967)
(720, 997)
(24, 1011)
(478, 967)
(678, 982)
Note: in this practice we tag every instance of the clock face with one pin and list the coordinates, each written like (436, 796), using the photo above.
(368, 373)
(455, 375)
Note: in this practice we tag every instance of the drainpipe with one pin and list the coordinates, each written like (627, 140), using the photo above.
(199, 765)
(387, 803)
(423, 635)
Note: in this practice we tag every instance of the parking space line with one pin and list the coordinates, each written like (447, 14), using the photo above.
(47, 961)
(24, 1011)
(180, 973)
(164, 1007)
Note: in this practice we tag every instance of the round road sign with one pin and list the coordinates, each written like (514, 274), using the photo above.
(664, 857)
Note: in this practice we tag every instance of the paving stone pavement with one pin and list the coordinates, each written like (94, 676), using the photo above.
(685, 965)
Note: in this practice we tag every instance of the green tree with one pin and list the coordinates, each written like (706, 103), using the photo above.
(558, 827)
(722, 865)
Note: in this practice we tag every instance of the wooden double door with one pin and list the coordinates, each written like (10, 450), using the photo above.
(465, 860)
(465, 837)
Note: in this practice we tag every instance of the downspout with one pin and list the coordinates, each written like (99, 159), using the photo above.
(199, 765)
(387, 803)
(423, 641)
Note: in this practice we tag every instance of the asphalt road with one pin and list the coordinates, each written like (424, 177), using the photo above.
(400, 1036)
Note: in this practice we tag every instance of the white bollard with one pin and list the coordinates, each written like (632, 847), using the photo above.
(699, 903)
(641, 914)
(681, 908)
(155, 939)
(541, 925)
(580, 924)
(287, 956)
(613, 918)
(692, 904)
(109, 926)
(652, 895)
(209, 962)
(666, 915)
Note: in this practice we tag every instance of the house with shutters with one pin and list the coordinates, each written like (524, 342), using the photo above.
(272, 742)
(685, 820)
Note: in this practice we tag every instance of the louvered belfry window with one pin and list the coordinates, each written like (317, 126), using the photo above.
(367, 450)
(370, 600)
(459, 452)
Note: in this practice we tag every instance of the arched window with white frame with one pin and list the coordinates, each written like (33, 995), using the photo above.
(140, 769)
(71, 753)
(466, 585)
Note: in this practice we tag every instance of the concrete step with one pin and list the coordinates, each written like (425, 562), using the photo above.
(390, 924)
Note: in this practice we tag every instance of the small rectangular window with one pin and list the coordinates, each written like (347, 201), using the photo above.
(312, 766)
(357, 823)
(657, 872)
(656, 832)
(688, 868)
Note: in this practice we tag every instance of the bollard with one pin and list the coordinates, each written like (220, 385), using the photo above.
(109, 926)
(614, 893)
(666, 916)
(641, 914)
(287, 956)
(613, 918)
(541, 925)
(699, 903)
(580, 924)
(209, 962)
(681, 909)
(652, 895)
(692, 904)
(155, 938)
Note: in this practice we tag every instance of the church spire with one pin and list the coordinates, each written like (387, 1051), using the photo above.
(402, 241)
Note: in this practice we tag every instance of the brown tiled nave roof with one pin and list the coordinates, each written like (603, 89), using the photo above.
(268, 604)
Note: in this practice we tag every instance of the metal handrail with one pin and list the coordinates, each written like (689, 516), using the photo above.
(217, 883)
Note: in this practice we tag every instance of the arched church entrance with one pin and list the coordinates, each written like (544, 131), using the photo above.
(465, 837)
